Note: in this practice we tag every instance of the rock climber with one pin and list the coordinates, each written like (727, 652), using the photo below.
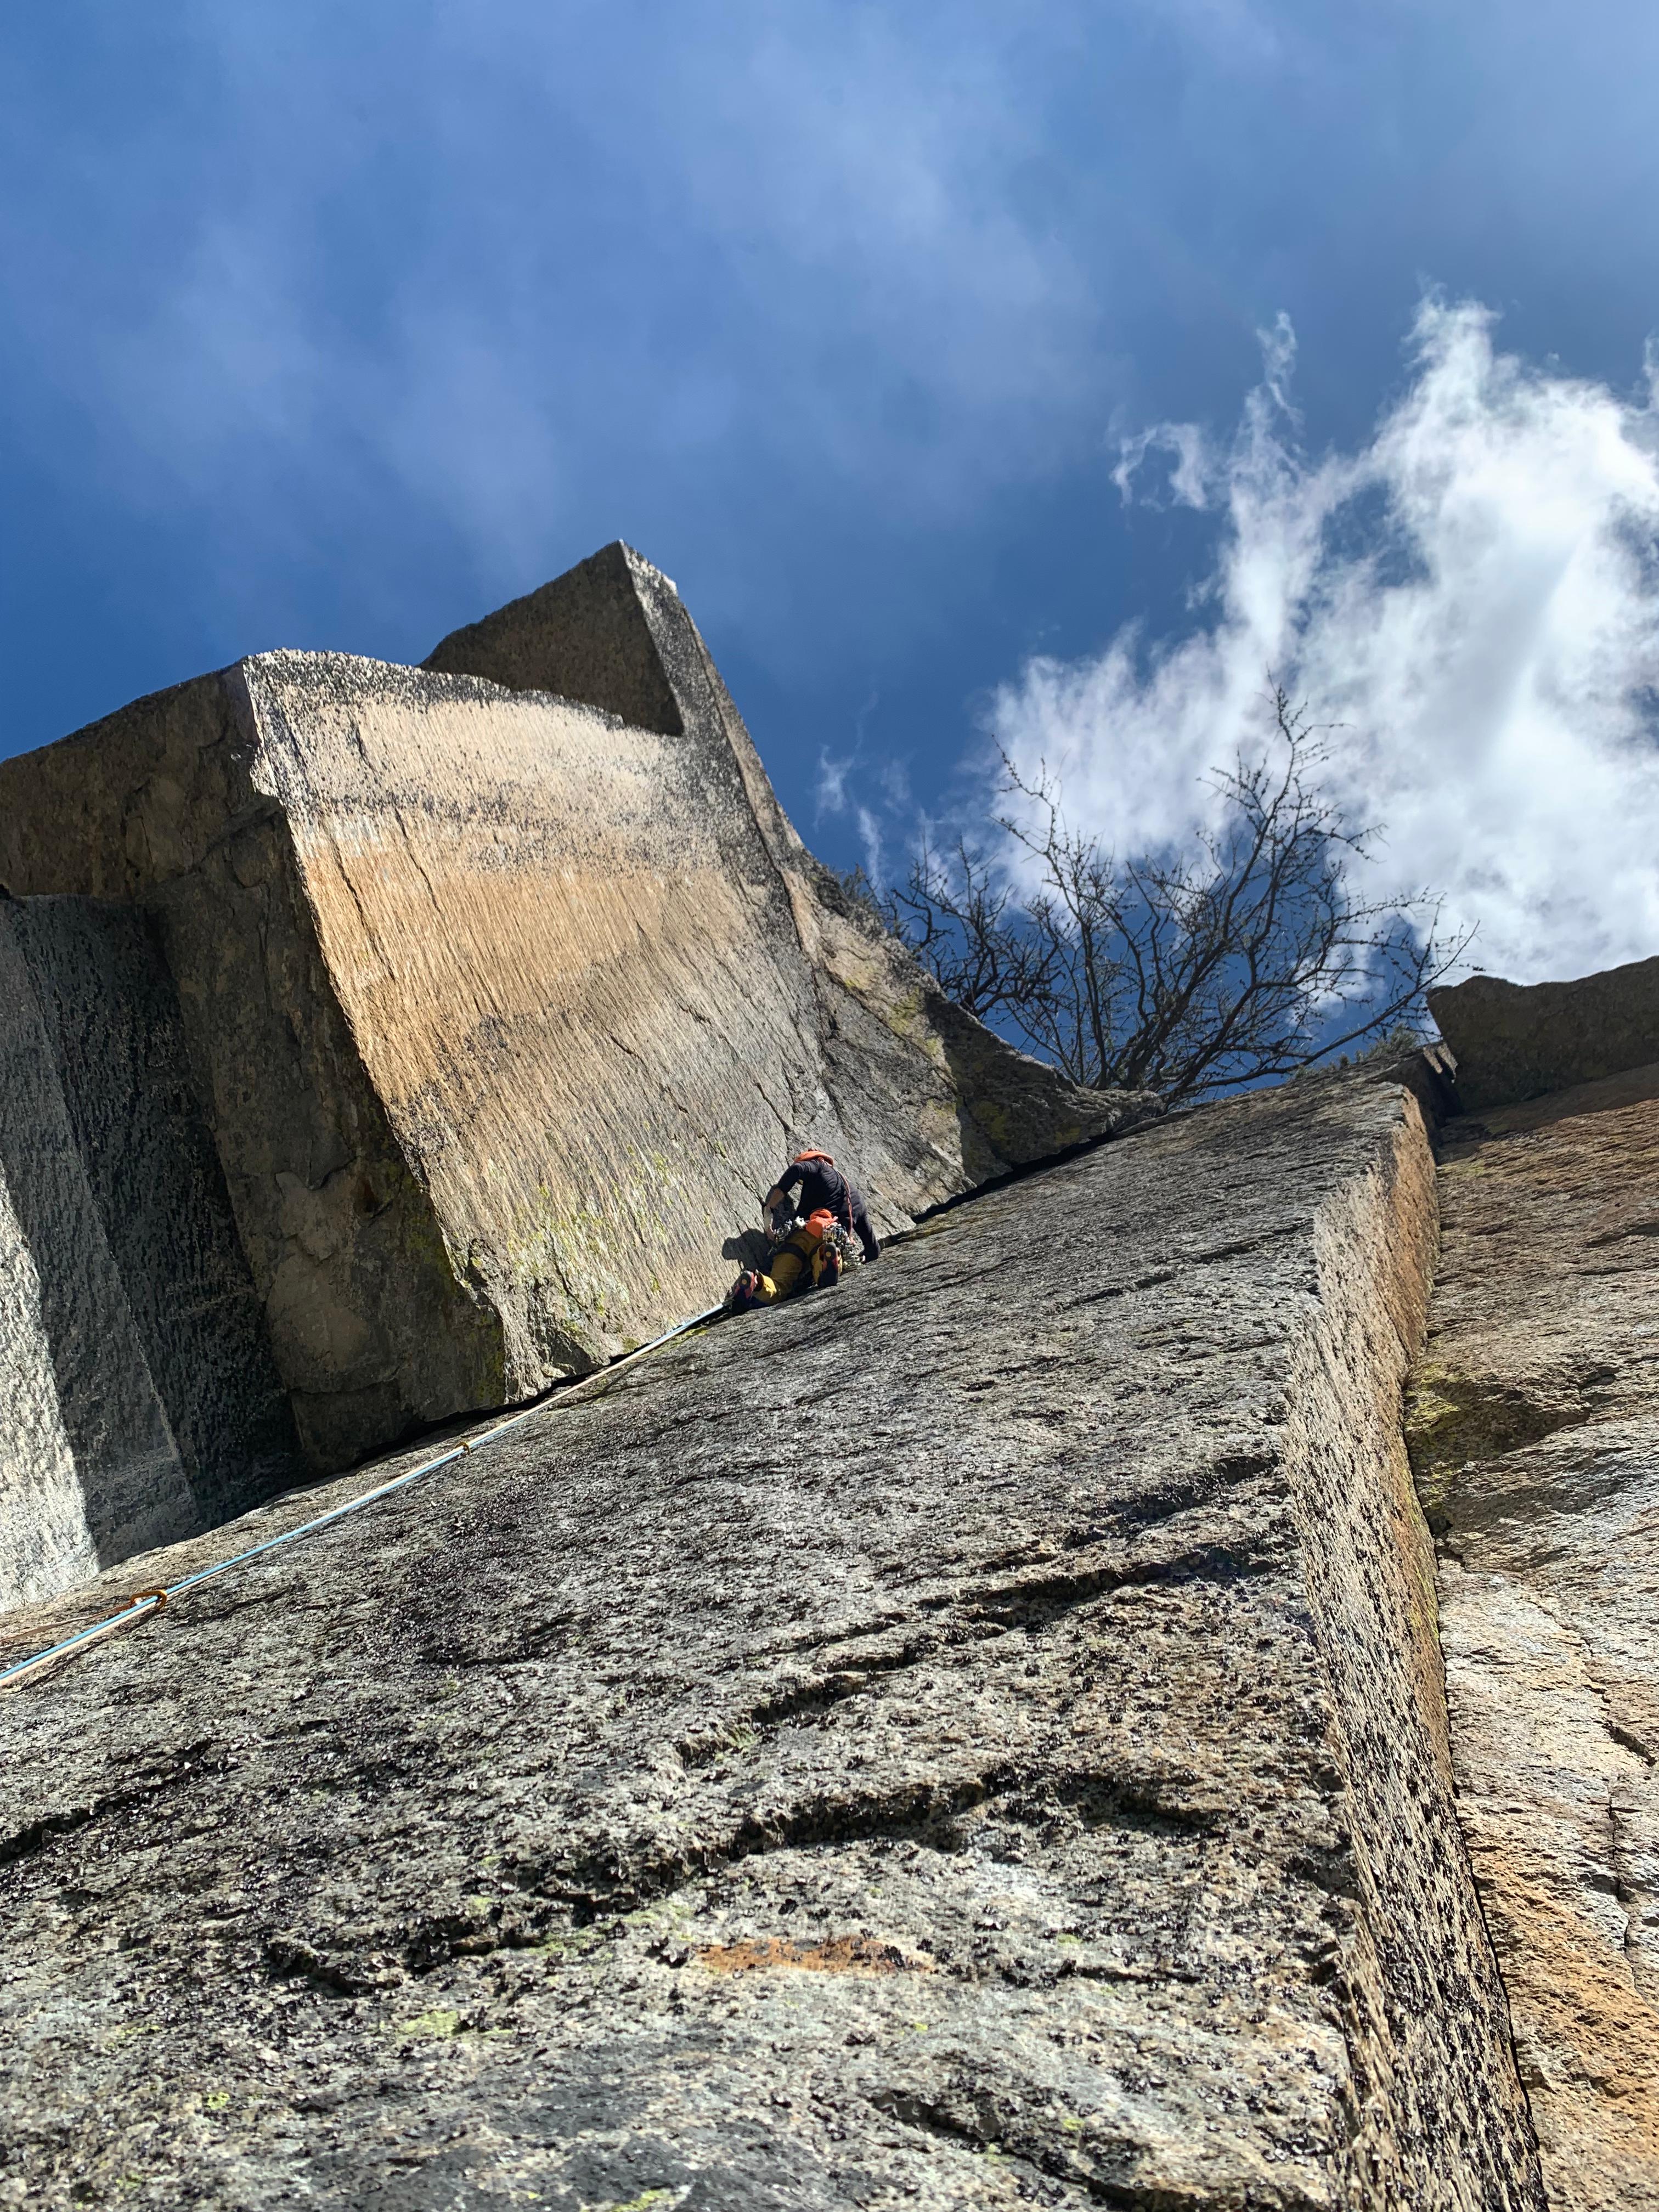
(823, 1188)
(813, 1255)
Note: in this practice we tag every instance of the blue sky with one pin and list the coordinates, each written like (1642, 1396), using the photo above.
(337, 325)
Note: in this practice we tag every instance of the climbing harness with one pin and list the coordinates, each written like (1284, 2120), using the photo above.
(823, 1261)
(152, 1600)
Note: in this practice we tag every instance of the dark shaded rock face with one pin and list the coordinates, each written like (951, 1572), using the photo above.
(142, 1404)
(1534, 1424)
(1515, 1041)
(971, 1738)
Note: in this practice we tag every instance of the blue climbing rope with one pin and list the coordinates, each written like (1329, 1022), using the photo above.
(152, 1600)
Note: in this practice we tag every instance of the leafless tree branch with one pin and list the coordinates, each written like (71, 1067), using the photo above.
(1243, 960)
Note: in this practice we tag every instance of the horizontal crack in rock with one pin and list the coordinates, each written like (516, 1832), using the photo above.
(986, 2132)
(39, 1834)
(1452, 1420)
(288, 1953)
(1046, 1599)
(603, 1880)
(1034, 1603)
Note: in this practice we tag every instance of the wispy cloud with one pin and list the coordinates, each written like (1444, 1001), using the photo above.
(1473, 597)
(830, 798)
(869, 837)
(835, 795)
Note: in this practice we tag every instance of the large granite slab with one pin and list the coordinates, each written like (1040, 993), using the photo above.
(142, 1403)
(971, 1738)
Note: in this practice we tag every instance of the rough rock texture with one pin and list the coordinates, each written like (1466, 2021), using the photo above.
(142, 1404)
(1517, 1040)
(1534, 1431)
(504, 1011)
(971, 1738)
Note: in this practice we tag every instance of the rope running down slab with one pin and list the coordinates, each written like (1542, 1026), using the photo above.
(152, 1600)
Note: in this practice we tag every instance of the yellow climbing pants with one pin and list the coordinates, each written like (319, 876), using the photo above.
(791, 1269)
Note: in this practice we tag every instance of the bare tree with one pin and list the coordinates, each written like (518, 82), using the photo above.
(1245, 959)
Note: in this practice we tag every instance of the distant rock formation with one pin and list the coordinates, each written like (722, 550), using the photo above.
(503, 988)
(1518, 1041)
(971, 1738)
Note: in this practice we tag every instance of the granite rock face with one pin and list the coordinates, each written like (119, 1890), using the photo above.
(615, 634)
(970, 1738)
(1534, 1434)
(141, 1401)
(1515, 1041)
(503, 1010)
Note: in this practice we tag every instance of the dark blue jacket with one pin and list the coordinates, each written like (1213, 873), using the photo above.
(826, 1186)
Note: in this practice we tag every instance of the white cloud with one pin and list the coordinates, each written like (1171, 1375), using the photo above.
(1473, 597)
(1186, 443)
(830, 796)
(870, 837)
(834, 793)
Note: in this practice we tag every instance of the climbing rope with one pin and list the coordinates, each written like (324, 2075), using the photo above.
(152, 1600)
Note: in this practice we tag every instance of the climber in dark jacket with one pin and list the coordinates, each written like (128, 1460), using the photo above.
(823, 1188)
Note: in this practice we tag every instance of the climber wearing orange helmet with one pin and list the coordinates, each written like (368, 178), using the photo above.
(823, 1188)
(811, 1257)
